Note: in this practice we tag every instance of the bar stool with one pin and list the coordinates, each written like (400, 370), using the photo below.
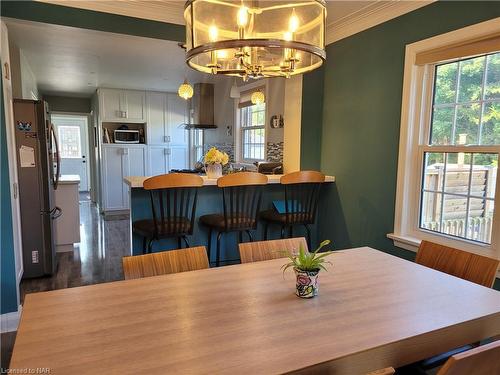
(301, 203)
(241, 197)
(173, 204)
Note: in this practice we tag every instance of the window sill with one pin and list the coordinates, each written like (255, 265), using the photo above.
(405, 242)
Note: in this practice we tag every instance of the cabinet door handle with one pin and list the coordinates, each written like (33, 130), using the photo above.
(7, 71)
(167, 151)
(125, 151)
(166, 139)
(124, 114)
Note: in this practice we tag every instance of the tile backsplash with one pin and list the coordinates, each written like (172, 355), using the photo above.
(275, 151)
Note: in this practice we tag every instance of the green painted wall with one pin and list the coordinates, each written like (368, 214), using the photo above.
(8, 291)
(361, 120)
(312, 119)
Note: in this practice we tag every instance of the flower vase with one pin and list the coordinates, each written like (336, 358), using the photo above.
(307, 283)
(214, 170)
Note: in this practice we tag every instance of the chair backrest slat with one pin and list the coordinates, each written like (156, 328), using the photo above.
(241, 197)
(173, 201)
(165, 262)
(468, 266)
(302, 195)
(482, 360)
(267, 250)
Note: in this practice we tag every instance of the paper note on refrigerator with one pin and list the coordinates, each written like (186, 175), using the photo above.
(27, 157)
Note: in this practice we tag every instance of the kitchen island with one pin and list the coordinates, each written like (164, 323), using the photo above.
(210, 201)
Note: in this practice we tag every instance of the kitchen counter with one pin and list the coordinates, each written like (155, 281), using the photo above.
(69, 179)
(209, 202)
(137, 181)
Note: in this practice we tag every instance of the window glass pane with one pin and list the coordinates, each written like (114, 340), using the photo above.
(69, 139)
(467, 124)
(434, 171)
(471, 77)
(430, 215)
(490, 130)
(465, 209)
(253, 131)
(442, 125)
(492, 89)
(485, 170)
(446, 83)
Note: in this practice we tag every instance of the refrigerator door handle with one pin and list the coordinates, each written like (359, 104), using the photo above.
(58, 160)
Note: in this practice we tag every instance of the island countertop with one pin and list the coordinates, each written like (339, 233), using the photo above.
(137, 181)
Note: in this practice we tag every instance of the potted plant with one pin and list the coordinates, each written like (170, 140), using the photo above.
(307, 266)
(214, 160)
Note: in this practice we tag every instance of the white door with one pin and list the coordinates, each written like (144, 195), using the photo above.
(156, 117)
(158, 160)
(135, 105)
(11, 151)
(72, 134)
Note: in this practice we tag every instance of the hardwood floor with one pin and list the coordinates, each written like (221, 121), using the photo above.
(97, 259)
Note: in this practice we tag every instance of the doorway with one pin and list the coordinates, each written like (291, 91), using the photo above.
(72, 133)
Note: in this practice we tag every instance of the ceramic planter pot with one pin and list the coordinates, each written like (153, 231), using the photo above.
(307, 283)
(214, 170)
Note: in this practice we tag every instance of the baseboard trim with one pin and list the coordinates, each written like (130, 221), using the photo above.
(10, 321)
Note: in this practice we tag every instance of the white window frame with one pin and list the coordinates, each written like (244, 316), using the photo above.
(238, 142)
(414, 136)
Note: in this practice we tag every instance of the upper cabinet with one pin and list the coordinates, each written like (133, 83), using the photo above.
(166, 115)
(122, 105)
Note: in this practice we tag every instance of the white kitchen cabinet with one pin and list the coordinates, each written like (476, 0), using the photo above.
(177, 111)
(121, 161)
(122, 105)
(156, 117)
(162, 159)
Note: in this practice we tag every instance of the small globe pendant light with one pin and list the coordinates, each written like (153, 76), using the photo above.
(186, 90)
(257, 97)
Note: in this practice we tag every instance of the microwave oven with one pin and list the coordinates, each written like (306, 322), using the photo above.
(126, 136)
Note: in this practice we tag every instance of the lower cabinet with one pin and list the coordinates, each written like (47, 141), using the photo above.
(120, 161)
(163, 159)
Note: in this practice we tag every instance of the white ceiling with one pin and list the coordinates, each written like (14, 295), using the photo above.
(72, 61)
(67, 60)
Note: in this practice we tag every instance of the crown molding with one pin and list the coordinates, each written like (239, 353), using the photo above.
(371, 15)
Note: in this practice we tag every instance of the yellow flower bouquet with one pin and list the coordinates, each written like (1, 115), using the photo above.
(214, 156)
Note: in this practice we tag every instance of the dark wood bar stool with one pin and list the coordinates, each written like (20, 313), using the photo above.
(241, 196)
(173, 204)
(300, 205)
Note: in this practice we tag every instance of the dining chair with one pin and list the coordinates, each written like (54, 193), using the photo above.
(241, 197)
(383, 371)
(483, 360)
(300, 205)
(173, 205)
(272, 249)
(165, 262)
(468, 266)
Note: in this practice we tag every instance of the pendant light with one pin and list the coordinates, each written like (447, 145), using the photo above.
(186, 90)
(248, 38)
(235, 91)
(257, 97)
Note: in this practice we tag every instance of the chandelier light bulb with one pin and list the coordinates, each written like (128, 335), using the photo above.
(242, 16)
(186, 90)
(293, 23)
(288, 36)
(213, 33)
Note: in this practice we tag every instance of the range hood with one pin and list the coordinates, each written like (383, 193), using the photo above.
(201, 113)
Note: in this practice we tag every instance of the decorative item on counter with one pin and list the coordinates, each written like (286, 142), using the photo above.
(307, 266)
(258, 97)
(214, 160)
(186, 90)
(277, 122)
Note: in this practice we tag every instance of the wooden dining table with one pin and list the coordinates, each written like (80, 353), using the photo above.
(373, 310)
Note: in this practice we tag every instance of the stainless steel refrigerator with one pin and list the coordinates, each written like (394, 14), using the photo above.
(38, 168)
